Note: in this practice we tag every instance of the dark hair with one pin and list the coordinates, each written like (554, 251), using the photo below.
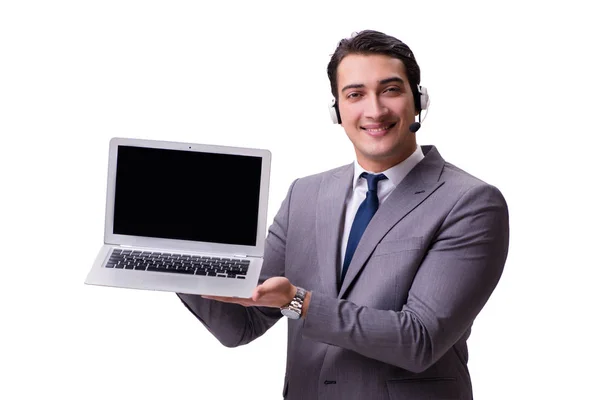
(373, 42)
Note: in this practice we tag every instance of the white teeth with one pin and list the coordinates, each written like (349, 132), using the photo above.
(378, 129)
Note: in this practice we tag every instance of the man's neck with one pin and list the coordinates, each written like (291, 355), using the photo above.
(378, 166)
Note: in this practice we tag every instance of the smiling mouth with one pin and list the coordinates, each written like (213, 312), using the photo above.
(379, 129)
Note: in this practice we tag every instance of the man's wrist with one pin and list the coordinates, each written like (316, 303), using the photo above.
(296, 307)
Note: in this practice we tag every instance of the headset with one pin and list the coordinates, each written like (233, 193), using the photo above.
(421, 103)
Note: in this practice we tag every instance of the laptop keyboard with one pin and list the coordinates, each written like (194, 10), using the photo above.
(178, 263)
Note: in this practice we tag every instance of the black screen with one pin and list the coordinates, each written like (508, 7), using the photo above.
(187, 195)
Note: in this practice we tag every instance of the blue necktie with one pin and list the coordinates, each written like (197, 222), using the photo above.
(363, 216)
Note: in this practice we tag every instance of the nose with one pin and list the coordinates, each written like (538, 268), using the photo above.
(375, 108)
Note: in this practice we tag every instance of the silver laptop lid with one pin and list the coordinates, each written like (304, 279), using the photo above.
(187, 196)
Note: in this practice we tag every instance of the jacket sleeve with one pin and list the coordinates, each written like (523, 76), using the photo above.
(457, 276)
(232, 324)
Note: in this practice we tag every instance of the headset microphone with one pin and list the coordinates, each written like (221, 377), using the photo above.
(414, 127)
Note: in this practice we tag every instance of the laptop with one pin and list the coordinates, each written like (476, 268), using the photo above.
(183, 217)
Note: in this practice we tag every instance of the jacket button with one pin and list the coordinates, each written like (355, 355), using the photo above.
(330, 382)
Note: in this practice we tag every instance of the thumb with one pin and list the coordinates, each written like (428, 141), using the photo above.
(257, 293)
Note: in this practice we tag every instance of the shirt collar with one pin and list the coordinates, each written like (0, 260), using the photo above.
(396, 173)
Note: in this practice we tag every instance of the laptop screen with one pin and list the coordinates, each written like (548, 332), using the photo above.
(187, 195)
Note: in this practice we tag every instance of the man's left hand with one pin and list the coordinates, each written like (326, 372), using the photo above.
(274, 292)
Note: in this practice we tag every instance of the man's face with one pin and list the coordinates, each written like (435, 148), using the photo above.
(376, 107)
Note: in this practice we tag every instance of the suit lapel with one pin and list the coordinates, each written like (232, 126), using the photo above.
(330, 211)
(419, 184)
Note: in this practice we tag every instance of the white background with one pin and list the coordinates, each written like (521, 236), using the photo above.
(514, 97)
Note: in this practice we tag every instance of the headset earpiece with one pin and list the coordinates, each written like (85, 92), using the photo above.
(423, 98)
(334, 112)
(422, 104)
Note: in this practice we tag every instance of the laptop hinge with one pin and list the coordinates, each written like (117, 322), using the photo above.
(125, 245)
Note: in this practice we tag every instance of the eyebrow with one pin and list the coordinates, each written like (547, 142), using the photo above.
(390, 80)
(381, 82)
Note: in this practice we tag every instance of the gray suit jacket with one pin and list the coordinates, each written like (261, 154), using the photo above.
(397, 327)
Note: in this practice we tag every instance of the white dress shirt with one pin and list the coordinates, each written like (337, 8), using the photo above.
(394, 175)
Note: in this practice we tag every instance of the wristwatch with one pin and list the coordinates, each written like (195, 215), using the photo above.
(294, 309)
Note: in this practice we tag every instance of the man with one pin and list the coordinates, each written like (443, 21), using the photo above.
(387, 270)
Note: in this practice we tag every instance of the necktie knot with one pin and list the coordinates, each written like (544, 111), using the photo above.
(373, 180)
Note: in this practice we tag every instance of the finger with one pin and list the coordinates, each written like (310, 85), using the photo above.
(219, 298)
(223, 298)
(233, 300)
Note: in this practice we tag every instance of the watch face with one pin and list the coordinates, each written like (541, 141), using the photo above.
(290, 313)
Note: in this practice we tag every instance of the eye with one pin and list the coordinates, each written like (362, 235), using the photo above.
(353, 95)
(392, 89)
